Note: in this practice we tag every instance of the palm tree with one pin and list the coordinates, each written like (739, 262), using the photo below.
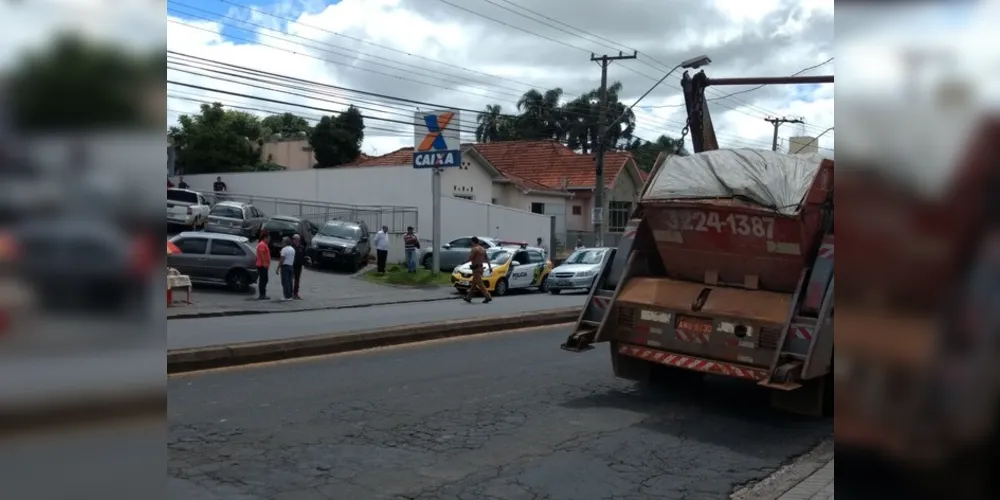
(540, 116)
(491, 124)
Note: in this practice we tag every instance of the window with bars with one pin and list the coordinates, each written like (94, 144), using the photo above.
(618, 215)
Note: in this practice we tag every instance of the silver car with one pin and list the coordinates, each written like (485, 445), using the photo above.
(215, 258)
(236, 218)
(580, 269)
(455, 252)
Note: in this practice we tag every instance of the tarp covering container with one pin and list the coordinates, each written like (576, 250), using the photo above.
(744, 217)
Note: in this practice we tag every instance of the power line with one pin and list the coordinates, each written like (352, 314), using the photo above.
(368, 42)
(797, 73)
(253, 9)
(411, 67)
(284, 79)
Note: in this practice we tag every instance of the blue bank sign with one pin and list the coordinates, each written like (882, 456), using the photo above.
(436, 140)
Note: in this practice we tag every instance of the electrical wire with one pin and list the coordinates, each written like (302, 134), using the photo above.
(432, 60)
(283, 81)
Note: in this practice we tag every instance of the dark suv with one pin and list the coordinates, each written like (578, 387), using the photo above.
(342, 243)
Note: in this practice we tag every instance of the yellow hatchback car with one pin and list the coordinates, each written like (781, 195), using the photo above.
(513, 268)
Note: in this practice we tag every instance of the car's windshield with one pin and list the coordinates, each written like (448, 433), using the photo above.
(340, 231)
(227, 211)
(281, 225)
(589, 256)
(498, 257)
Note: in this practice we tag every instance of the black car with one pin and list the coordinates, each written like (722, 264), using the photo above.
(280, 226)
(340, 242)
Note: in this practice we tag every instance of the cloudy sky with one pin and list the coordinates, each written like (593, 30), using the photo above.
(391, 57)
(466, 54)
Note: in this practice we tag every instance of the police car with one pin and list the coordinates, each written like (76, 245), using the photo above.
(515, 265)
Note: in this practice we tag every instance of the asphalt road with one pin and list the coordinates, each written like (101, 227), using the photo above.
(501, 416)
(188, 333)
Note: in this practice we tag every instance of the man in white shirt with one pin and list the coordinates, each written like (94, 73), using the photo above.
(382, 248)
(286, 268)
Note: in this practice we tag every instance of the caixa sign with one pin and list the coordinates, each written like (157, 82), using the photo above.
(432, 159)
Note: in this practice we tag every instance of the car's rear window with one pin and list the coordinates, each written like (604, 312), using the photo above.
(281, 225)
(227, 211)
(182, 196)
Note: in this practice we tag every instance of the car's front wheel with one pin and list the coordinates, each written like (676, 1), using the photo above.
(544, 285)
(238, 280)
(427, 262)
(554, 291)
(501, 288)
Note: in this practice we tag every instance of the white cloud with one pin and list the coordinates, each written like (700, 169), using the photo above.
(487, 62)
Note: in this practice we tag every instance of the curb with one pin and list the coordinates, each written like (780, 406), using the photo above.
(204, 358)
(252, 312)
(82, 411)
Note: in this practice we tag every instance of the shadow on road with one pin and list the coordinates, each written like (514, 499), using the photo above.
(729, 413)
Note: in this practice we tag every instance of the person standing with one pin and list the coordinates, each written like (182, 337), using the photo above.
(381, 249)
(218, 186)
(181, 184)
(263, 266)
(297, 264)
(477, 258)
(286, 268)
(411, 243)
(579, 243)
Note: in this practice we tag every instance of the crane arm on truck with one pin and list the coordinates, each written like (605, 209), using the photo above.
(700, 119)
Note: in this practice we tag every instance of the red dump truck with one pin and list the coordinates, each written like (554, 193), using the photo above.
(726, 268)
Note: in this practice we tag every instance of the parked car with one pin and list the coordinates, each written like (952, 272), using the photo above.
(82, 263)
(579, 270)
(280, 226)
(340, 242)
(187, 208)
(455, 252)
(236, 218)
(215, 258)
(514, 267)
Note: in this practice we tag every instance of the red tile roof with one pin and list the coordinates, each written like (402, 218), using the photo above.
(401, 156)
(550, 163)
(536, 165)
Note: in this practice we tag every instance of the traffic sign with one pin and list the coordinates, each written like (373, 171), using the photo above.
(436, 140)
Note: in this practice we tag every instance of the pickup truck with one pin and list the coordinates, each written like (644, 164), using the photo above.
(187, 208)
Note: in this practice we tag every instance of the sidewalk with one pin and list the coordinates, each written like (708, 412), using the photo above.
(321, 289)
(818, 486)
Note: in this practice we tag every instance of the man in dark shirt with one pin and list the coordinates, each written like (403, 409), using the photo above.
(300, 260)
(181, 184)
(478, 258)
(218, 186)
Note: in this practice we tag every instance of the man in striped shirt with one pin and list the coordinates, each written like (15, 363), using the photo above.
(411, 243)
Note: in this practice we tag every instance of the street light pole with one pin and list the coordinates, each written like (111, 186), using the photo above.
(602, 134)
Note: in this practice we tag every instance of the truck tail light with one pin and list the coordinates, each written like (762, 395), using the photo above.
(190, 211)
(9, 250)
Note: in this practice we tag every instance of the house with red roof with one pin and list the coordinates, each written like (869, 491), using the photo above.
(543, 177)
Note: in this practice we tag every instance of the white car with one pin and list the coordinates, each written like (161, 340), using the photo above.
(187, 208)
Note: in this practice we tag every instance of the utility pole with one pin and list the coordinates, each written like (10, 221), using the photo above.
(600, 147)
(777, 122)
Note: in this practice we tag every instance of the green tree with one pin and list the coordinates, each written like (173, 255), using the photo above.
(217, 140)
(581, 120)
(286, 126)
(75, 84)
(337, 140)
(491, 124)
(541, 117)
(645, 152)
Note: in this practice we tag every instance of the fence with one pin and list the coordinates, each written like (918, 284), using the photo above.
(397, 218)
(588, 239)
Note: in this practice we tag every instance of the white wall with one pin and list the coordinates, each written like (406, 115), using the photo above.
(465, 218)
